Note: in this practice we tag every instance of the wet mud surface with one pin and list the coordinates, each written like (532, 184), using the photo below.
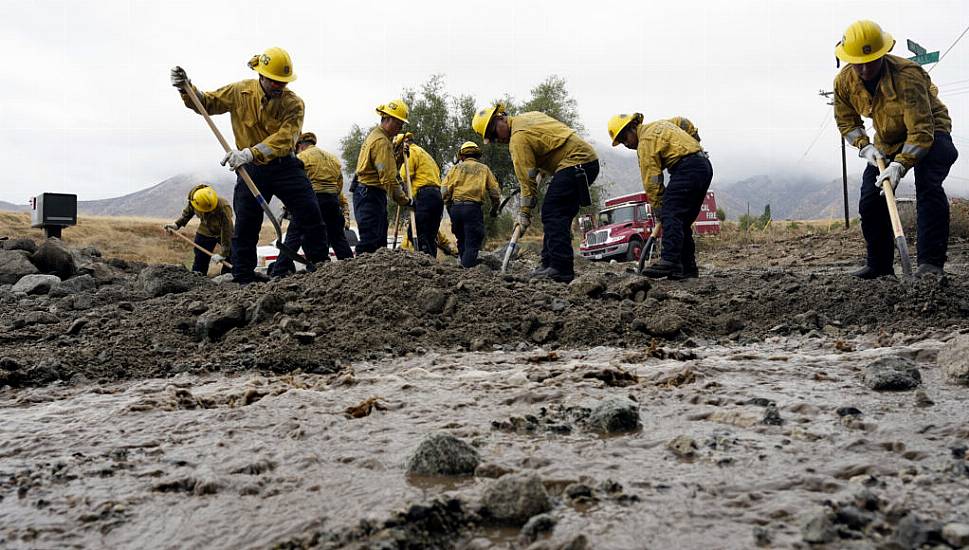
(773, 402)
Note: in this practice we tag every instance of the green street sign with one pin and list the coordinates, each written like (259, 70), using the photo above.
(926, 58)
(915, 48)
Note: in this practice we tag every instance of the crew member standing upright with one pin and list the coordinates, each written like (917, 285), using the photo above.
(539, 143)
(425, 177)
(465, 187)
(215, 225)
(376, 176)
(672, 145)
(911, 131)
(266, 120)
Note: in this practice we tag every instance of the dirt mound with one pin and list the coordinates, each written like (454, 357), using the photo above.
(394, 303)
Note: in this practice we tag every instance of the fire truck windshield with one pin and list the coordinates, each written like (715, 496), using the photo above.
(623, 214)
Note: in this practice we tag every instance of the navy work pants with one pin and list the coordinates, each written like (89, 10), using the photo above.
(682, 199)
(428, 208)
(333, 234)
(370, 210)
(467, 224)
(201, 262)
(568, 191)
(932, 218)
(284, 178)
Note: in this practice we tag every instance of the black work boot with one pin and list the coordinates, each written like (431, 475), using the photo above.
(538, 271)
(554, 275)
(929, 269)
(869, 273)
(664, 269)
(691, 272)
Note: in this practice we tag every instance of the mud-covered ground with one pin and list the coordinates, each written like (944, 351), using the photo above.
(158, 409)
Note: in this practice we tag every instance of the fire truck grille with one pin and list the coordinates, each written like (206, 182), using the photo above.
(598, 237)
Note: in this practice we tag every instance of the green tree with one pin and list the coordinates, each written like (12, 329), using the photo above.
(350, 145)
(552, 97)
(721, 214)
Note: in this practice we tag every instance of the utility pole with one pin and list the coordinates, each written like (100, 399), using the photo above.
(844, 162)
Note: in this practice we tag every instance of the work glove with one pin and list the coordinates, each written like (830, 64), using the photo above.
(871, 154)
(218, 258)
(894, 173)
(237, 159)
(524, 218)
(171, 227)
(179, 78)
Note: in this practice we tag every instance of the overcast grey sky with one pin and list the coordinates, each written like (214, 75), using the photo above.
(86, 106)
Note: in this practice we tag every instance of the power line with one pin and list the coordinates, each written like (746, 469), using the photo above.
(948, 50)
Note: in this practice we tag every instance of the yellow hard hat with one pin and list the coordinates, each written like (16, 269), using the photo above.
(863, 41)
(274, 64)
(469, 148)
(307, 137)
(409, 136)
(204, 199)
(483, 118)
(619, 122)
(396, 108)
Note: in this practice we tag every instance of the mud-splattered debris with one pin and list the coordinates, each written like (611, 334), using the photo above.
(613, 377)
(364, 408)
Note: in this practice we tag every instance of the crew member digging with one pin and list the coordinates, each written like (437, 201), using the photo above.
(539, 143)
(465, 187)
(215, 226)
(376, 175)
(673, 145)
(266, 120)
(911, 130)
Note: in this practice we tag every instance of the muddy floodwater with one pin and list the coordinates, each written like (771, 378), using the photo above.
(737, 446)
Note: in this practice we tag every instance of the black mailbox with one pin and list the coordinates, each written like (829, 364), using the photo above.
(52, 212)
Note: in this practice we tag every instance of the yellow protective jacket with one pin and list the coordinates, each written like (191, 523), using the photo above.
(471, 180)
(376, 166)
(687, 126)
(423, 169)
(268, 127)
(539, 142)
(906, 110)
(217, 223)
(323, 169)
(662, 144)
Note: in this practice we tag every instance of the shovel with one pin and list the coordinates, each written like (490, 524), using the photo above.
(512, 246)
(900, 242)
(396, 227)
(648, 247)
(191, 242)
(285, 250)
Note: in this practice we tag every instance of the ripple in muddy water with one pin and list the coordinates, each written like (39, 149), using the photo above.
(737, 447)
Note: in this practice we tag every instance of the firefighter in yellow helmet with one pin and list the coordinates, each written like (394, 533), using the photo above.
(215, 225)
(376, 177)
(465, 187)
(325, 174)
(539, 143)
(912, 130)
(672, 145)
(266, 120)
(425, 189)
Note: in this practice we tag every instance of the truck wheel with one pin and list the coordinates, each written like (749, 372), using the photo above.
(634, 250)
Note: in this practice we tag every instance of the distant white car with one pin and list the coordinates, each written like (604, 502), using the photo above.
(268, 253)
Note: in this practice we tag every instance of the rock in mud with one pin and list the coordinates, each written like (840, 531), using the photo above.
(14, 265)
(74, 285)
(213, 324)
(956, 535)
(53, 256)
(513, 499)
(27, 245)
(35, 284)
(536, 527)
(683, 446)
(41, 318)
(442, 454)
(432, 300)
(954, 359)
(913, 532)
(892, 374)
(817, 527)
(664, 325)
(158, 280)
(631, 287)
(614, 415)
(591, 286)
(265, 307)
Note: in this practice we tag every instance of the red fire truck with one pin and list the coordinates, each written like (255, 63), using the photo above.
(625, 222)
